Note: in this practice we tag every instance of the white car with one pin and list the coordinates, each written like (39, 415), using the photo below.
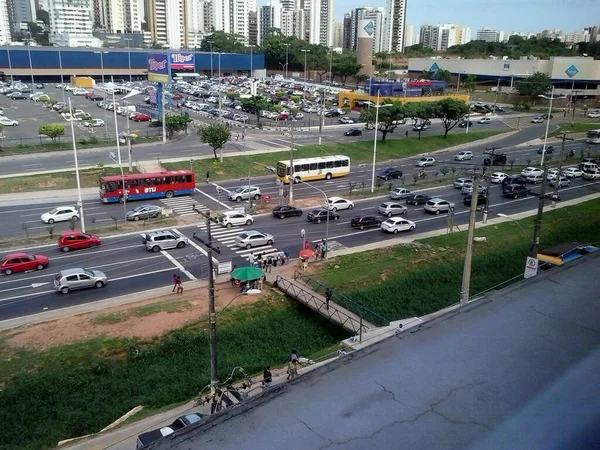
(594, 114)
(253, 238)
(234, 218)
(60, 214)
(497, 177)
(552, 174)
(94, 123)
(464, 155)
(562, 182)
(397, 224)
(336, 203)
(79, 91)
(35, 94)
(527, 171)
(537, 120)
(573, 172)
(485, 120)
(426, 161)
(8, 122)
(299, 116)
(69, 117)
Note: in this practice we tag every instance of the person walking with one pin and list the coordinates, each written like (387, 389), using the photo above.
(406, 133)
(323, 249)
(307, 245)
(267, 377)
(328, 295)
(251, 259)
(269, 263)
(207, 177)
(174, 282)
(179, 285)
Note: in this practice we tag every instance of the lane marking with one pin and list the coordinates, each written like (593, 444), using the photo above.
(196, 246)
(213, 199)
(178, 265)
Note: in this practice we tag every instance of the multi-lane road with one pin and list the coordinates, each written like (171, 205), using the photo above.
(130, 267)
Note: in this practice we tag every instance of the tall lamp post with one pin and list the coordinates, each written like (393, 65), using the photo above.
(129, 56)
(377, 106)
(79, 199)
(62, 80)
(212, 72)
(251, 60)
(287, 57)
(551, 98)
(306, 52)
(117, 160)
(30, 65)
(9, 62)
(327, 206)
(103, 87)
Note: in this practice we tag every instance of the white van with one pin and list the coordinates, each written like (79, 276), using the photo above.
(535, 178)
(591, 174)
(126, 110)
(589, 167)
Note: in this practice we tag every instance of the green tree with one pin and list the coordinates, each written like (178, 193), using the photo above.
(176, 122)
(216, 135)
(534, 85)
(389, 117)
(450, 111)
(52, 130)
(420, 112)
(345, 66)
(223, 42)
(469, 82)
(442, 75)
(427, 75)
(254, 105)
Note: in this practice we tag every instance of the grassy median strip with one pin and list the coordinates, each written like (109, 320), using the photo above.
(358, 151)
(576, 127)
(73, 390)
(17, 146)
(423, 277)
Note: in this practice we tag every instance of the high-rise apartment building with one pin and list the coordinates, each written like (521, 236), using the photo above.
(409, 36)
(347, 31)
(198, 21)
(394, 25)
(269, 16)
(443, 36)
(5, 31)
(376, 16)
(321, 21)
(233, 16)
(72, 22)
(20, 12)
(488, 35)
(253, 28)
(118, 16)
(295, 23)
(338, 34)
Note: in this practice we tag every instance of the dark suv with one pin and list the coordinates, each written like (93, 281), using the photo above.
(515, 179)
(515, 190)
(320, 215)
(481, 199)
(363, 222)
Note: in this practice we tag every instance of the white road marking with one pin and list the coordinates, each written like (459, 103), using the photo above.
(95, 252)
(178, 265)
(213, 199)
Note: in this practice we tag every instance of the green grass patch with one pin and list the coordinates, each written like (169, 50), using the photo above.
(576, 127)
(80, 388)
(359, 152)
(423, 277)
(168, 307)
(109, 319)
(24, 146)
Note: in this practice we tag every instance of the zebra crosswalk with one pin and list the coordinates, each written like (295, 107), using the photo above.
(226, 236)
(183, 206)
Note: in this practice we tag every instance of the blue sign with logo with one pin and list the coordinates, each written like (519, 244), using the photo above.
(571, 71)
(434, 67)
(182, 60)
(158, 67)
(369, 28)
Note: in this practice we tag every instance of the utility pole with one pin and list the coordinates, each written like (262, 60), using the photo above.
(486, 208)
(466, 280)
(537, 229)
(560, 161)
(291, 175)
(321, 117)
(212, 315)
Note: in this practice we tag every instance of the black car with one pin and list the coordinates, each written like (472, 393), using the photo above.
(417, 199)
(515, 179)
(353, 132)
(495, 160)
(363, 222)
(545, 116)
(515, 191)
(96, 98)
(549, 149)
(389, 172)
(283, 211)
(481, 199)
(320, 215)
(463, 124)
(332, 114)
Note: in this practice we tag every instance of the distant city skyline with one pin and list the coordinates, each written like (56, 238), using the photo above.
(502, 15)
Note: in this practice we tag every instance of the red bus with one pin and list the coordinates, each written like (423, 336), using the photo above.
(141, 186)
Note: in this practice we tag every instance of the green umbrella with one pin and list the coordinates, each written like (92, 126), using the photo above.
(247, 273)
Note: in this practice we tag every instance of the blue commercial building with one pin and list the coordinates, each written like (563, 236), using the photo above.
(49, 63)
(405, 88)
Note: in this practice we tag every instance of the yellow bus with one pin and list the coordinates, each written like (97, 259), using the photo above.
(316, 168)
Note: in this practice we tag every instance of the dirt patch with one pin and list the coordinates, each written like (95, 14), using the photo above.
(133, 325)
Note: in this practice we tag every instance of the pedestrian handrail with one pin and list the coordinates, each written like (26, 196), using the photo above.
(341, 299)
(309, 298)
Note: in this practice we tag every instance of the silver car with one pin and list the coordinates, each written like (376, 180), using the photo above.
(245, 193)
(79, 278)
(253, 238)
(399, 193)
(390, 209)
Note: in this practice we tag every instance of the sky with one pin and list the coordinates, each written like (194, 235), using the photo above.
(502, 15)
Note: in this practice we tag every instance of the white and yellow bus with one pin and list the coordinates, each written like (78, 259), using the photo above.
(593, 137)
(316, 168)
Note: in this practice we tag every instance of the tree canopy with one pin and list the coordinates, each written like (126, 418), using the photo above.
(534, 85)
(450, 111)
(254, 105)
(516, 47)
(215, 135)
(388, 119)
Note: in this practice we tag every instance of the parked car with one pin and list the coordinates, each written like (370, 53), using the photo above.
(144, 212)
(461, 182)
(463, 156)
(481, 199)
(320, 215)
(531, 171)
(497, 177)
(417, 199)
(397, 224)
(362, 222)
(438, 205)
(72, 279)
(537, 120)
(535, 178)
(390, 209)
(561, 181)
(283, 211)
(389, 172)
(468, 189)
(337, 203)
(515, 190)
(155, 241)
(95, 98)
(17, 96)
(426, 161)
(21, 262)
(5, 121)
(149, 437)
(139, 117)
(549, 149)
(60, 214)
(514, 179)
(235, 218)
(573, 172)
(253, 238)
(75, 240)
(245, 193)
(399, 193)
(94, 123)
(353, 132)
(346, 120)
(591, 174)
(593, 114)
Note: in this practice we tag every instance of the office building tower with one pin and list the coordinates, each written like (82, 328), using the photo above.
(321, 21)
(347, 31)
(5, 30)
(394, 25)
(488, 35)
(269, 16)
(20, 12)
(72, 23)
(338, 33)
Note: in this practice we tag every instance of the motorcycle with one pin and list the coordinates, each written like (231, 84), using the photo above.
(571, 153)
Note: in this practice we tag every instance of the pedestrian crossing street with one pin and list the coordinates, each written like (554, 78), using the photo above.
(226, 236)
(183, 206)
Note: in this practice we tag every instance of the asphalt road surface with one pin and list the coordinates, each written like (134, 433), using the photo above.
(515, 371)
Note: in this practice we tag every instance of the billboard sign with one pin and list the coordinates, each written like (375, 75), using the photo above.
(366, 29)
(182, 60)
(158, 67)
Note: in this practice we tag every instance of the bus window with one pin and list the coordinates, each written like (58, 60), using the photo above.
(330, 164)
(313, 166)
(345, 163)
(322, 165)
(338, 163)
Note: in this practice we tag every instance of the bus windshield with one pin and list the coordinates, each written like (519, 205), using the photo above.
(593, 137)
(282, 169)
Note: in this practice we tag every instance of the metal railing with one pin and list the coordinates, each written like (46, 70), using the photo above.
(66, 141)
(309, 299)
(342, 300)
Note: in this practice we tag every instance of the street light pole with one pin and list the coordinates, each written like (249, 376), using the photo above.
(466, 279)
(119, 158)
(62, 81)
(129, 56)
(79, 199)
(328, 214)
(103, 87)
(30, 65)
(251, 60)
(287, 54)
(306, 52)
(551, 98)
(377, 106)
(9, 62)
(212, 72)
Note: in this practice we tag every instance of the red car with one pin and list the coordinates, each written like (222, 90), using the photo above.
(20, 262)
(177, 97)
(89, 94)
(282, 117)
(74, 240)
(142, 118)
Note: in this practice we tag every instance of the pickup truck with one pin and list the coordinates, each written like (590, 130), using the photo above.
(150, 437)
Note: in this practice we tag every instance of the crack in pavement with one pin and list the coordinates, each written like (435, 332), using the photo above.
(534, 309)
(430, 409)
